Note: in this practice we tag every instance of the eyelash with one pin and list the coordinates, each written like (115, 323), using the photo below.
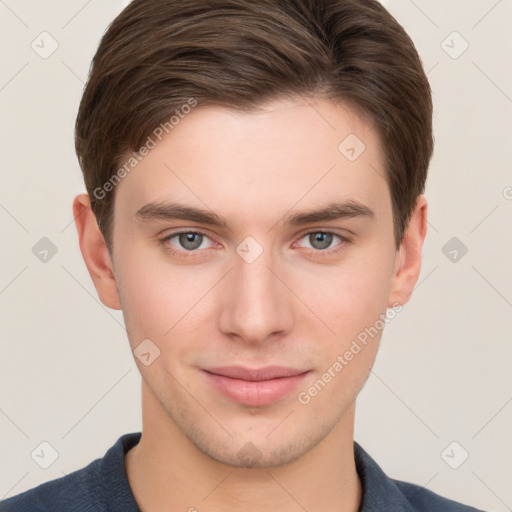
(196, 252)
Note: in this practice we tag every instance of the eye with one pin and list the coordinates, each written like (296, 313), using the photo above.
(187, 240)
(322, 240)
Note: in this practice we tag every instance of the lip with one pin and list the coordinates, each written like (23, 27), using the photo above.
(255, 387)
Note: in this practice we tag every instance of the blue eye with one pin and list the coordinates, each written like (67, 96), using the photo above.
(322, 240)
(188, 240)
(192, 243)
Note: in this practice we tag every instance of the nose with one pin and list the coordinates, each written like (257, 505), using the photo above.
(256, 304)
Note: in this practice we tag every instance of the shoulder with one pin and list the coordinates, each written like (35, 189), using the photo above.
(80, 491)
(384, 494)
(100, 486)
(424, 500)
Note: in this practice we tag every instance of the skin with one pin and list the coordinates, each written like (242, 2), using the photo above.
(295, 305)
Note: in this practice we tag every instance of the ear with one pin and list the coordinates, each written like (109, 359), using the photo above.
(95, 252)
(408, 258)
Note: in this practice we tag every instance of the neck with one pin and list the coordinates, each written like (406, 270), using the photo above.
(166, 472)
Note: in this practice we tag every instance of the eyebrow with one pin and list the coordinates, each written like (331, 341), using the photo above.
(177, 211)
(333, 211)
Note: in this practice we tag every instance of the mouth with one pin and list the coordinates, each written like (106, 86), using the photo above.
(255, 387)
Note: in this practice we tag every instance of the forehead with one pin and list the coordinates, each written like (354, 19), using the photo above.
(296, 151)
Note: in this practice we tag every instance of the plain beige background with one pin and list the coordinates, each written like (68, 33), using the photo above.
(441, 388)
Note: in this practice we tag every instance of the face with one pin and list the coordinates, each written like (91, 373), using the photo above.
(264, 286)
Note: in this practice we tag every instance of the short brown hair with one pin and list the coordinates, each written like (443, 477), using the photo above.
(158, 54)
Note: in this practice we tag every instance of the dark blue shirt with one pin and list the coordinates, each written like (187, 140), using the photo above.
(102, 486)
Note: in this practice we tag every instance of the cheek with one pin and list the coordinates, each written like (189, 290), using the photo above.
(351, 302)
(150, 297)
(158, 299)
(348, 297)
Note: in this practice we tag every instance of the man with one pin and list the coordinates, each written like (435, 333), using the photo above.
(255, 175)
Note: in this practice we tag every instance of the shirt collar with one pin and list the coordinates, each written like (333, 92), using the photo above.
(118, 493)
(380, 493)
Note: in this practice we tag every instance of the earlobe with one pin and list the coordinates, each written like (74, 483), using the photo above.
(408, 259)
(95, 252)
